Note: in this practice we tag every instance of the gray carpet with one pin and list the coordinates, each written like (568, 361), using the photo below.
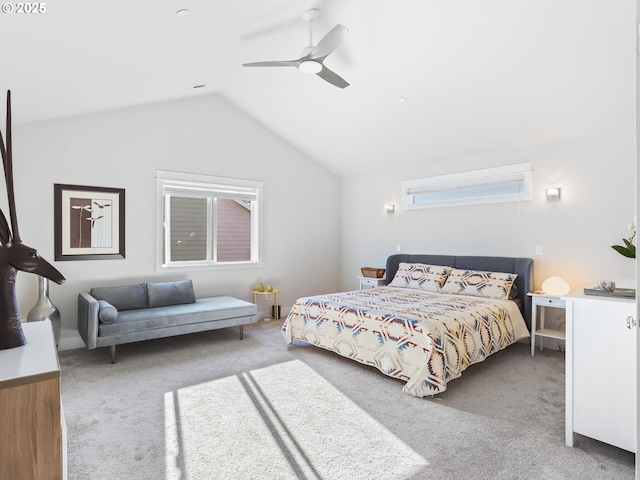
(209, 406)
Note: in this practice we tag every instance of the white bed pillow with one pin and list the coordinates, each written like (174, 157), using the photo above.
(420, 276)
(479, 283)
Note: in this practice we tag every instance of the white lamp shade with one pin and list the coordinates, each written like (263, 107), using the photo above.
(556, 286)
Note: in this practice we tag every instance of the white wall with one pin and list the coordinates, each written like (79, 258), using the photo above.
(204, 134)
(597, 180)
(591, 156)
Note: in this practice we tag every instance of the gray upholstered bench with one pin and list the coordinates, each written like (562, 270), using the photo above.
(110, 316)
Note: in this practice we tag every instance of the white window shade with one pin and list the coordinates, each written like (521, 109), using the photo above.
(172, 187)
(492, 185)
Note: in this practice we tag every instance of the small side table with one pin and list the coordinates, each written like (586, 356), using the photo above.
(542, 301)
(274, 292)
(369, 282)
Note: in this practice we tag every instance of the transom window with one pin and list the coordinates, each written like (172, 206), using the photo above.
(207, 221)
(510, 183)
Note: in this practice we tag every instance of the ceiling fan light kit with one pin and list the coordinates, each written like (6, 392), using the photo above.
(312, 57)
(310, 66)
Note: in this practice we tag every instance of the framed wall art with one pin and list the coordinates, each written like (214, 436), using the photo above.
(88, 222)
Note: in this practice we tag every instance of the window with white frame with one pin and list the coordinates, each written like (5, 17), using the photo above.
(205, 221)
(510, 183)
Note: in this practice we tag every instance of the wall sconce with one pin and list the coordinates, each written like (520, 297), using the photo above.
(553, 193)
(390, 208)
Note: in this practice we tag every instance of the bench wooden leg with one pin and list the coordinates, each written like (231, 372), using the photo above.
(241, 331)
(113, 353)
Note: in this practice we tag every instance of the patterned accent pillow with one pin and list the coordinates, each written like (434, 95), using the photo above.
(480, 284)
(423, 277)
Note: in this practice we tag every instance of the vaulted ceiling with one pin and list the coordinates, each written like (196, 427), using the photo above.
(477, 76)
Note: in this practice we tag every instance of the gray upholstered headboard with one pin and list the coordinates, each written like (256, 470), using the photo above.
(521, 266)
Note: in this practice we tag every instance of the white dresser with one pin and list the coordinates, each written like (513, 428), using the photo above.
(600, 369)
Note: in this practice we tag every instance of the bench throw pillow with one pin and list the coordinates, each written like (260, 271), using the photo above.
(128, 297)
(170, 293)
(107, 313)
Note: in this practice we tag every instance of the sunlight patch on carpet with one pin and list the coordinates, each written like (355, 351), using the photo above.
(280, 422)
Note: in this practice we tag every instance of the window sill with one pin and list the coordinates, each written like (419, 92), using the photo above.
(204, 267)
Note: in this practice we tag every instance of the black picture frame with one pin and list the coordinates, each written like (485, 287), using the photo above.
(89, 222)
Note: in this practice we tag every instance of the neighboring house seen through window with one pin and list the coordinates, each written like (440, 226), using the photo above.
(207, 221)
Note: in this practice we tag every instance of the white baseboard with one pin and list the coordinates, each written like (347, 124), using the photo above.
(266, 317)
(69, 340)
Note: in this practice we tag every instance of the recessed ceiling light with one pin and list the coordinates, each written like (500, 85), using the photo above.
(182, 12)
(402, 99)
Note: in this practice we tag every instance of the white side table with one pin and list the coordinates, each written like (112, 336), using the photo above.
(369, 282)
(543, 301)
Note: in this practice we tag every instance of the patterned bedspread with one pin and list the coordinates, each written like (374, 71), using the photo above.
(426, 339)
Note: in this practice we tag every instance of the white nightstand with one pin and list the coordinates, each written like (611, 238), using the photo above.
(369, 282)
(543, 301)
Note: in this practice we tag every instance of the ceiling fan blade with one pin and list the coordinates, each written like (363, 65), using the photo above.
(332, 77)
(282, 63)
(329, 43)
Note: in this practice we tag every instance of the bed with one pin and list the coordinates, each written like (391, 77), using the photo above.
(436, 316)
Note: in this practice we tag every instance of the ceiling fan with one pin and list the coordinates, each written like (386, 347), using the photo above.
(312, 57)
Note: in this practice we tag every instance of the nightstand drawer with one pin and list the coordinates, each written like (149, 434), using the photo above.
(551, 302)
(369, 282)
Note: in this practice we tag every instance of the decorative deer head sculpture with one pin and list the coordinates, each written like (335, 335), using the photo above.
(14, 255)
